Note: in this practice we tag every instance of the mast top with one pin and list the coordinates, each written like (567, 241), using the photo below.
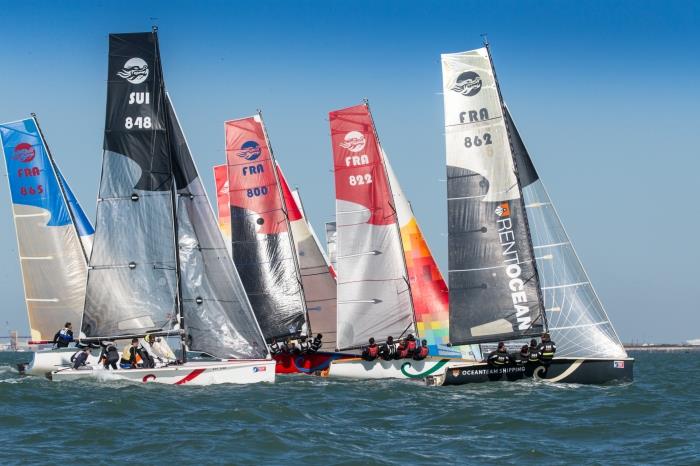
(154, 28)
(485, 39)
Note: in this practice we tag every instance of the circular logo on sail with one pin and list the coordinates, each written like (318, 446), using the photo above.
(354, 141)
(467, 83)
(135, 70)
(24, 152)
(250, 150)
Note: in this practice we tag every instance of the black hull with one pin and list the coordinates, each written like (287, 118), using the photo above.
(582, 371)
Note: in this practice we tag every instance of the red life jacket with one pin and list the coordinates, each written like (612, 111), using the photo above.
(403, 352)
(423, 352)
(411, 345)
(373, 351)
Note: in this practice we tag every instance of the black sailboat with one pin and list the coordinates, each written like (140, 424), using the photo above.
(513, 270)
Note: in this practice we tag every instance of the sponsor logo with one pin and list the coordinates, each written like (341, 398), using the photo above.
(259, 369)
(492, 371)
(354, 141)
(503, 210)
(148, 378)
(24, 152)
(467, 83)
(250, 150)
(135, 70)
(619, 364)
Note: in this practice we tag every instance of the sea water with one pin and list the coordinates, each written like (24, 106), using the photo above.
(308, 420)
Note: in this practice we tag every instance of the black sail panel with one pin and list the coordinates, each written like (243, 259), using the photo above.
(492, 277)
(132, 278)
(213, 298)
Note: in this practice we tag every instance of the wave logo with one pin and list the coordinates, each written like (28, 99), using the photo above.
(354, 141)
(467, 83)
(135, 70)
(24, 152)
(250, 150)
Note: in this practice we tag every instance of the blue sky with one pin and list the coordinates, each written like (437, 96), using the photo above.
(605, 95)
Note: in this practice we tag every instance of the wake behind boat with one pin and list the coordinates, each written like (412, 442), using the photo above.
(513, 270)
(159, 265)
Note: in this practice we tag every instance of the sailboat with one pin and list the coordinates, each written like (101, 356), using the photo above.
(159, 265)
(284, 273)
(513, 270)
(54, 239)
(375, 286)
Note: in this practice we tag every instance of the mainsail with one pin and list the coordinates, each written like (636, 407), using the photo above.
(262, 243)
(54, 236)
(319, 284)
(223, 209)
(576, 317)
(374, 297)
(494, 288)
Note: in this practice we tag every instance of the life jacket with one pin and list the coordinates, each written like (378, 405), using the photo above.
(126, 355)
(112, 354)
(402, 352)
(547, 350)
(534, 354)
(316, 344)
(372, 351)
(499, 359)
(411, 345)
(422, 353)
(389, 351)
(275, 348)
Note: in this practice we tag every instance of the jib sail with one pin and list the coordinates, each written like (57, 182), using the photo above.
(331, 238)
(50, 227)
(577, 320)
(374, 297)
(262, 245)
(494, 289)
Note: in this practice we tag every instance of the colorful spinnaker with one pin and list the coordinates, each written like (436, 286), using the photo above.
(223, 210)
(54, 236)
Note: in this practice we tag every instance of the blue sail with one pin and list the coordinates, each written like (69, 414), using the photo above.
(52, 248)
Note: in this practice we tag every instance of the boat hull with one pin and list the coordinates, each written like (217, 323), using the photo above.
(563, 370)
(306, 363)
(190, 373)
(46, 361)
(358, 368)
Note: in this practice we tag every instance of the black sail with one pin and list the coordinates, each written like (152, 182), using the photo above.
(494, 289)
(132, 279)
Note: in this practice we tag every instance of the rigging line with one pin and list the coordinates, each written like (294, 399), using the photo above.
(568, 285)
(594, 324)
(488, 268)
(551, 245)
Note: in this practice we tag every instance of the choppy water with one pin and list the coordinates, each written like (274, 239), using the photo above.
(307, 420)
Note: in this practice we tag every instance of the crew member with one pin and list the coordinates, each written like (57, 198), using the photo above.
(523, 356)
(144, 350)
(388, 351)
(303, 345)
(289, 346)
(63, 336)
(109, 356)
(421, 351)
(500, 357)
(534, 354)
(316, 343)
(275, 347)
(402, 350)
(370, 352)
(411, 343)
(130, 356)
(546, 348)
(79, 359)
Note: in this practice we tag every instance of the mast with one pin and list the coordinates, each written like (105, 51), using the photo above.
(60, 185)
(173, 203)
(286, 219)
(396, 222)
(540, 298)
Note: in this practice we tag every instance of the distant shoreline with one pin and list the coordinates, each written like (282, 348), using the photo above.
(662, 347)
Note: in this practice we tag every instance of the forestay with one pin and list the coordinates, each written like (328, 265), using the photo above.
(262, 245)
(577, 320)
(492, 277)
(50, 227)
(374, 298)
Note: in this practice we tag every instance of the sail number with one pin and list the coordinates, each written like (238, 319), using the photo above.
(356, 180)
(255, 192)
(477, 141)
(31, 190)
(139, 122)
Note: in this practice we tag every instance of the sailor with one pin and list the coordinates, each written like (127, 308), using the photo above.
(371, 352)
(500, 357)
(316, 343)
(523, 356)
(388, 350)
(421, 351)
(63, 336)
(411, 343)
(130, 356)
(533, 352)
(402, 350)
(160, 349)
(275, 347)
(79, 359)
(144, 350)
(110, 355)
(289, 346)
(546, 349)
(304, 345)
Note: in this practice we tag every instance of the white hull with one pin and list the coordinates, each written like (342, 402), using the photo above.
(191, 373)
(46, 361)
(396, 369)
